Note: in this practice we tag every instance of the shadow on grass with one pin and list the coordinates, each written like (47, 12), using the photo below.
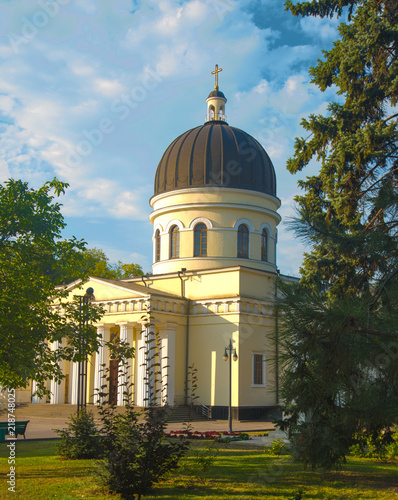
(375, 480)
(58, 473)
(213, 490)
(30, 449)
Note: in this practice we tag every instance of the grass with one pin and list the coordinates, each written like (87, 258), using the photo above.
(236, 473)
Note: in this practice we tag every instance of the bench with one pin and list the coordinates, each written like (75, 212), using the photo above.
(19, 426)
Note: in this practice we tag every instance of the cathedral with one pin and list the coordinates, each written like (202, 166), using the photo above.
(207, 309)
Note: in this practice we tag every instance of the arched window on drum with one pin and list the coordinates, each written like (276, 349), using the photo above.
(174, 242)
(264, 245)
(200, 240)
(243, 241)
(157, 245)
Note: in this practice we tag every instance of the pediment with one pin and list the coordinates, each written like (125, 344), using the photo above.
(105, 289)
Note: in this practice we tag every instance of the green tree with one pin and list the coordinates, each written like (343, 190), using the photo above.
(34, 258)
(340, 341)
(94, 262)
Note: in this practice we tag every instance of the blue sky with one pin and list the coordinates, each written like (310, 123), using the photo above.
(93, 92)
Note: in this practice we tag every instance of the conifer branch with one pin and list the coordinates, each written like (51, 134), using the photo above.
(382, 287)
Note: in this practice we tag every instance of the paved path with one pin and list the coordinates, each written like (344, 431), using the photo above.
(40, 427)
(45, 419)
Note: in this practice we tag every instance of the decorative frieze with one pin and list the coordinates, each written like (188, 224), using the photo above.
(138, 305)
(232, 306)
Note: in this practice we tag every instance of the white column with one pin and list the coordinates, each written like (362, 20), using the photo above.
(74, 383)
(151, 365)
(146, 366)
(55, 393)
(140, 354)
(125, 336)
(55, 387)
(101, 359)
(36, 399)
(167, 362)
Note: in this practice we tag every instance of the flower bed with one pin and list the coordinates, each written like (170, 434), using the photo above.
(210, 435)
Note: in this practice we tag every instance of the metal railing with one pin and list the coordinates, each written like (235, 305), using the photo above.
(211, 118)
(204, 411)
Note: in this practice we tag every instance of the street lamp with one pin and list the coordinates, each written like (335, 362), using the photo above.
(82, 374)
(231, 350)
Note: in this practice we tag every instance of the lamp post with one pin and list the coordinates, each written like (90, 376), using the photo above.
(82, 374)
(232, 354)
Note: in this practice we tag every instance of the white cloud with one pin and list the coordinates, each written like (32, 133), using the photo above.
(325, 28)
(4, 170)
(108, 88)
(87, 6)
(6, 104)
(60, 84)
(81, 69)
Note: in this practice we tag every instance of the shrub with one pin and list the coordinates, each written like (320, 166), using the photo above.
(383, 446)
(277, 447)
(81, 439)
(137, 455)
(136, 451)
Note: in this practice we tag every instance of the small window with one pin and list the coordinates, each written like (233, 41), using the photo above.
(243, 241)
(157, 246)
(200, 240)
(258, 369)
(264, 245)
(174, 242)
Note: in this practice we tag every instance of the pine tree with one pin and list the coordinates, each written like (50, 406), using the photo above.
(340, 340)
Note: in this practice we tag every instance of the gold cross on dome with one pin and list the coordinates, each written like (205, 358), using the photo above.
(215, 72)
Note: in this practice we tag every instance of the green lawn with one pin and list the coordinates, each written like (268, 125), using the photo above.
(236, 473)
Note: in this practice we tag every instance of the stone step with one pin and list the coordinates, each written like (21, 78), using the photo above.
(185, 414)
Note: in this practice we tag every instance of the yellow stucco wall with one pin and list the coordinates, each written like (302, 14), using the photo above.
(221, 210)
(234, 302)
(211, 334)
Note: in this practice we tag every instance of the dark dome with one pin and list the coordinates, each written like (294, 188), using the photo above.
(217, 93)
(215, 154)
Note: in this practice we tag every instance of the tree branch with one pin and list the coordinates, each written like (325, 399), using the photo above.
(382, 287)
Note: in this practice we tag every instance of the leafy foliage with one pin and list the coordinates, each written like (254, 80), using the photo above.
(33, 260)
(383, 446)
(277, 447)
(94, 262)
(81, 439)
(339, 340)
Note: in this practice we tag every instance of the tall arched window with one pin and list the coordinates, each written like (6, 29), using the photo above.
(157, 245)
(243, 241)
(200, 240)
(264, 245)
(174, 242)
